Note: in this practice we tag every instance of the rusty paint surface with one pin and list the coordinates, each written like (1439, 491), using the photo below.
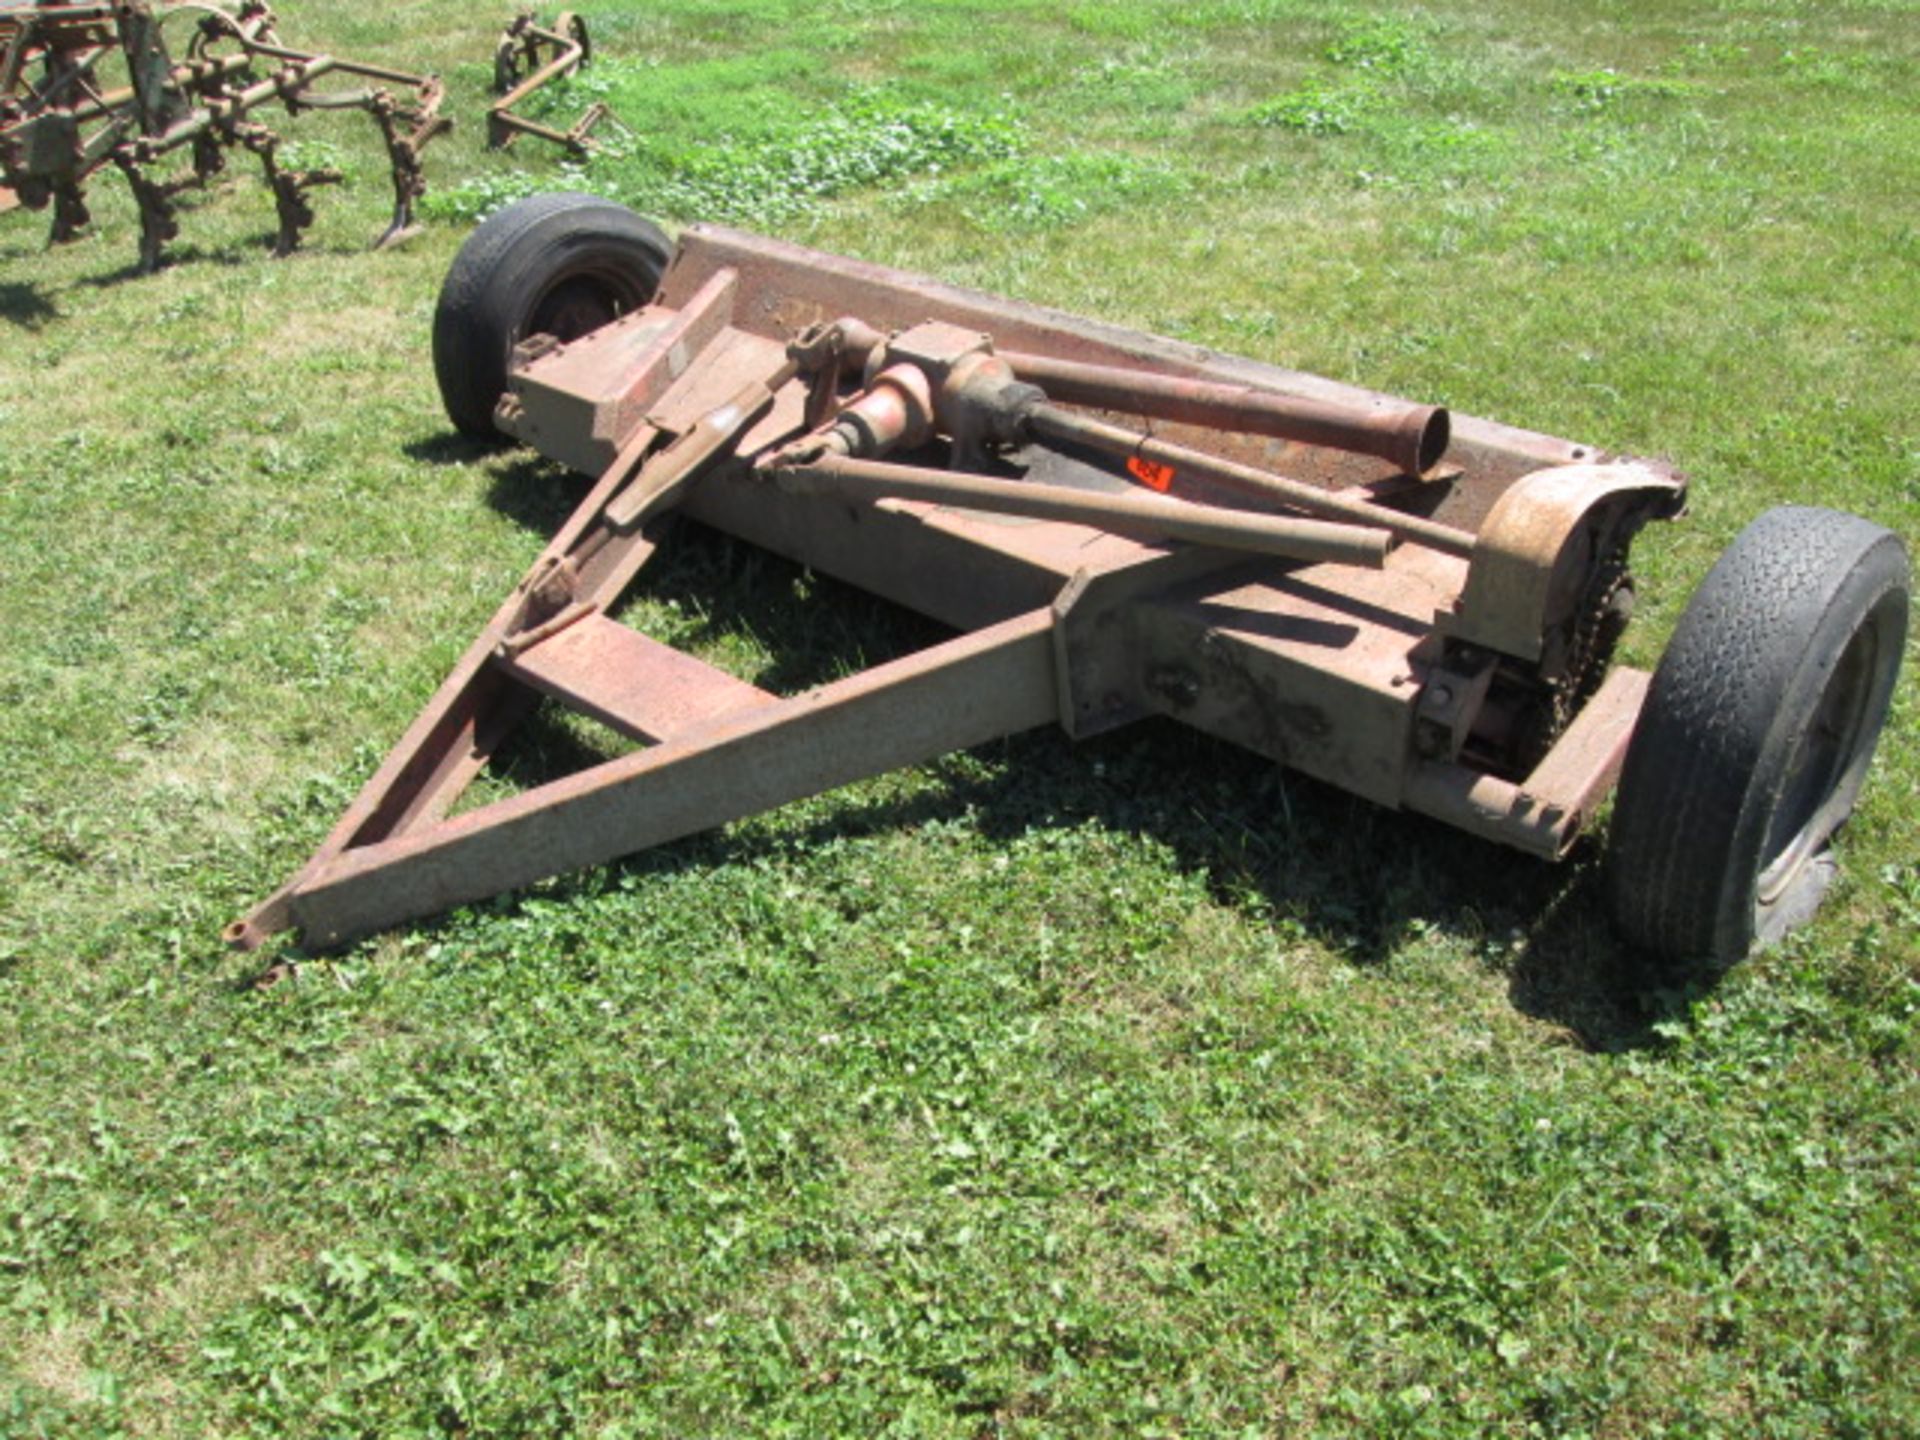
(645, 690)
(1299, 599)
(1413, 438)
(981, 686)
(1539, 546)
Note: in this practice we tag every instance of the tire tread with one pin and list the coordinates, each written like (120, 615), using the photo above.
(1683, 818)
(484, 286)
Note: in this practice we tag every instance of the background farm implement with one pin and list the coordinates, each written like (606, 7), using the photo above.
(136, 87)
(529, 57)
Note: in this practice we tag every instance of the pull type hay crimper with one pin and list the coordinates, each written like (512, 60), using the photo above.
(1117, 526)
(64, 116)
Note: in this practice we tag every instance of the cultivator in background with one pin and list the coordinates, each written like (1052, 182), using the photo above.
(85, 86)
(1418, 610)
(529, 57)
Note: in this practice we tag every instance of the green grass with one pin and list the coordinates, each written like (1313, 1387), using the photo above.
(1126, 1088)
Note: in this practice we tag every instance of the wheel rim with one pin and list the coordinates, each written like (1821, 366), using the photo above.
(578, 303)
(1817, 794)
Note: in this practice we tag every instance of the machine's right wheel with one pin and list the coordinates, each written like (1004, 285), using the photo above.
(1757, 731)
(561, 265)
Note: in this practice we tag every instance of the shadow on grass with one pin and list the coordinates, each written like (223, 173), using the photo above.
(22, 304)
(532, 491)
(176, 254)
(1363, 881)
(545, 746)
(1415, 880)
(451, 447)
(1572, 971)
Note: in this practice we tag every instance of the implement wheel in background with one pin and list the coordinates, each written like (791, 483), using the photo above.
(1757, 732)
(559, 265)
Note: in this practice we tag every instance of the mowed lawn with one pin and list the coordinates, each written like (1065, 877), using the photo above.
(1132, 1088)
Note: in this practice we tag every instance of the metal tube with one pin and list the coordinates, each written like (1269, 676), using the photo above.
(348, 67)
(1064, 425)
(276, 86)
(281, 83)
(1414, 437)
(559, 65)
(108, 101)
(503, 120)
(1145, 517)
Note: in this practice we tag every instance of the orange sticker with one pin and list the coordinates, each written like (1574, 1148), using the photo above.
(1150, 474)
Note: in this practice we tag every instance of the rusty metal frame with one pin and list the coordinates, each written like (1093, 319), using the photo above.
(59, 130)
(529, 57)
(1312, 599)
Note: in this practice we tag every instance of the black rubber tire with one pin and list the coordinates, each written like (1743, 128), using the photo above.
(1757, 731)
(562, 263)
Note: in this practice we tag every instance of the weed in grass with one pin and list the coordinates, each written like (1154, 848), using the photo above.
(1053, 191)
(866, 141)
(1110, 21)
(1395, 77)
(1385, 47)
(1598, 92)
(1333, 109)
(1144, 86)
(1446, 154)
(315, 154)
(1814, 66)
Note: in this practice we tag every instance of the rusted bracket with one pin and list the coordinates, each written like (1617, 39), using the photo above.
(407, 130)
(289, 186)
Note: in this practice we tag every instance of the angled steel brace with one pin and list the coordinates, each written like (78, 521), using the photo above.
(719, 748)
(767, 752)
(724, 750)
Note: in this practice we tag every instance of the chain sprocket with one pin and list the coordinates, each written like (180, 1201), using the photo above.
(1604, 612)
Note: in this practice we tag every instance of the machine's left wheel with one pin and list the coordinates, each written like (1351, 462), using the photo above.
(562, 265)
(506, 65)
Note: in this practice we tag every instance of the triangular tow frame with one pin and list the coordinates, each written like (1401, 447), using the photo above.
(719, 749)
